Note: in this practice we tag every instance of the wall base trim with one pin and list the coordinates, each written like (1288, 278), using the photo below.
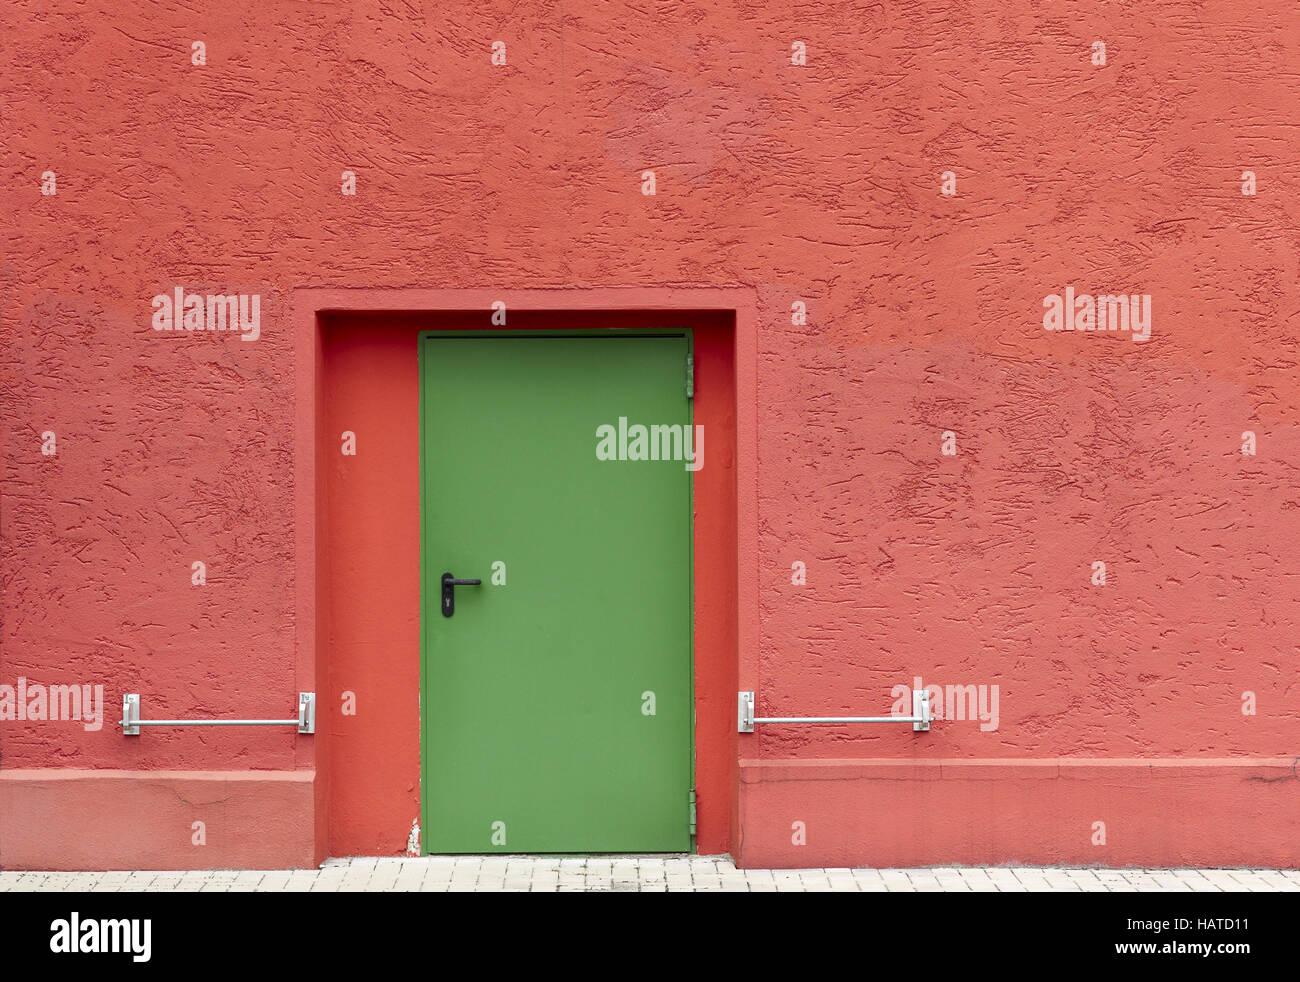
(1157, 812)
(68, 819)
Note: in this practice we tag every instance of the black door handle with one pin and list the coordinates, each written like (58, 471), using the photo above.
(449, 583)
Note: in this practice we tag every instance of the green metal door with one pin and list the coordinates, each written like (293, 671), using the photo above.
(556, 700)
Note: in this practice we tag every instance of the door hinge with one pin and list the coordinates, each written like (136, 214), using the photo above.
(690, 376)
(692, 812)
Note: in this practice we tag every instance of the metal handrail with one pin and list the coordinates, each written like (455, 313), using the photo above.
(131, 721)
(920, 718)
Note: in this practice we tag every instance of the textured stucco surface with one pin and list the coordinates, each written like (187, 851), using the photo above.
(816, 183)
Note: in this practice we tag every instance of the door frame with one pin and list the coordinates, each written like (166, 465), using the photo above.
(728, 625)
(612, 333)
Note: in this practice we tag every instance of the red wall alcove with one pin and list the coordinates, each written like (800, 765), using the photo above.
(368, 522)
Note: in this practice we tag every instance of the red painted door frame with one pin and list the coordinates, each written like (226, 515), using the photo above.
(357, 536)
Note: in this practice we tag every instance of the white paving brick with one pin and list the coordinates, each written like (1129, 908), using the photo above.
(645, 873)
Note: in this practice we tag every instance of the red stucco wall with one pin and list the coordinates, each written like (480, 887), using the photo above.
(817, 183)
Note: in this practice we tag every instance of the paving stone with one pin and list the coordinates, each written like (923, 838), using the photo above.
(645, 873)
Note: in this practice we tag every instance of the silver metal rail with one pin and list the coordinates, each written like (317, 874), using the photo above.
(131, 721)
(920, 718)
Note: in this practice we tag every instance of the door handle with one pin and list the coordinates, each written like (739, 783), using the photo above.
(449, 584)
